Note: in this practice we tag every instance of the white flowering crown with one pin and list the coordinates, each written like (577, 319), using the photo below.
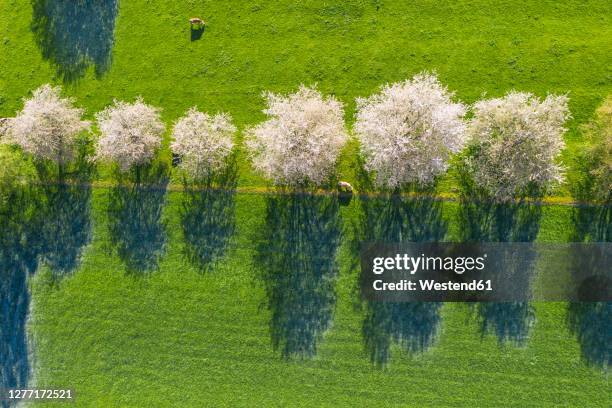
(515, 143)
(131, 133)
(48, 127)
(204, 142)
(409, 130)
(301, 140)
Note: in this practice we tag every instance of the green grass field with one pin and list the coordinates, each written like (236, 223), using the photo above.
(178, 337)
(349, 48)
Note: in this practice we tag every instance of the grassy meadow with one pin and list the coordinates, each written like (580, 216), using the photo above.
(182, 337)
(349, 48)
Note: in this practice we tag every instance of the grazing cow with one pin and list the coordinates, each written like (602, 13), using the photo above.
(345, 193)
(345, 187)
(195, 21)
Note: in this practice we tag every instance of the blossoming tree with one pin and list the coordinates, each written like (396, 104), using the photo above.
(48, 127)
(300, 142)
(131, 133)
(515, 141)
(409, 130)
(203, 142)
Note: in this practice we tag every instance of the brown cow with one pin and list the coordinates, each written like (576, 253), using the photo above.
(345, 187)
(196, 21)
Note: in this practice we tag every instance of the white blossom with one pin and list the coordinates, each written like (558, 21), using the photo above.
(515, 141)
(409, 130)
(48, 127)
(131, 133)
(300, 142)
(204, 142)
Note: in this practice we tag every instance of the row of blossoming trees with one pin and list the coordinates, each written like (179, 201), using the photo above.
(409, 133)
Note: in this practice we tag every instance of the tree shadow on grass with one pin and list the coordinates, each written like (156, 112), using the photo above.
(137, 230)
(63, 215)
(393, 218)
(296, 256)
(591, 322)
(18, 259)
(208, 218)
(73, 34)
(65, 226)
(482, 220)
(46, 221)
(14, 305)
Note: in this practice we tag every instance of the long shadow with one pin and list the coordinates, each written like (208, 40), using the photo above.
(197, 32)
(481, 220)
(136, 227)
(73, 35)
(591, 322)
(65, 228)
(392, 218)
(592, 223)
(18, 259)
(62, 213)
(208, 218)
(296, 258)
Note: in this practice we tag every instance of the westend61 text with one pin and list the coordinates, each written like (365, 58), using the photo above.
(429, 285)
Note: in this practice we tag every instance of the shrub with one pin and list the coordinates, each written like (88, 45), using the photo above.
(515, 141)
(300, 142)
(409, 130)
(48, 127)
(203, 142)
(131, 133)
